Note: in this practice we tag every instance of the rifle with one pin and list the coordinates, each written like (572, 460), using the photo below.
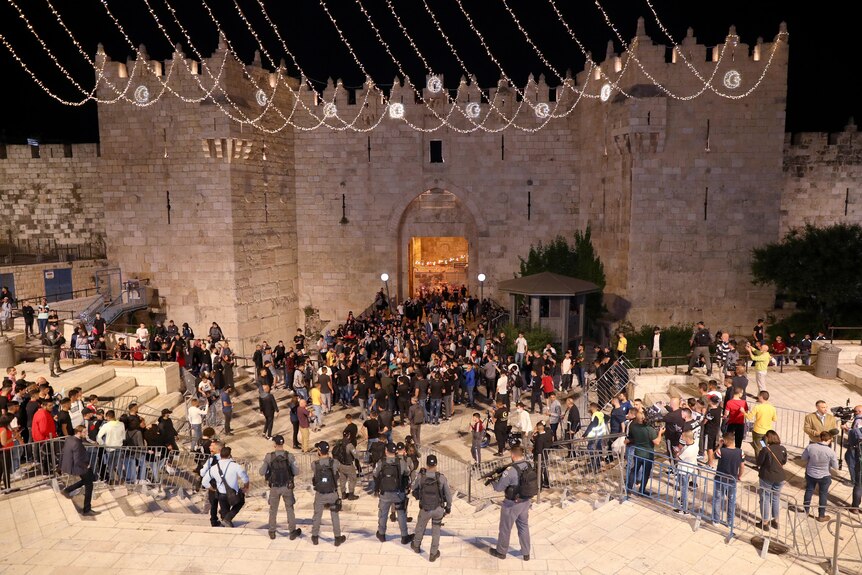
(494, 475)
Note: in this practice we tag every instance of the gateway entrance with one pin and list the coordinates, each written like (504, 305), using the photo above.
(437, 262)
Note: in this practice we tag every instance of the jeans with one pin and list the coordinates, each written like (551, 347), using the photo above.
(519, 359)
(318, 416)
(822, 484)
(579, 371)
(639, 471)
(770, 500)
(435, 410)
(302, 393)
(470, 395)
(853, 464)
(196, 434)
(723, 489)
(43, 326)
(476, 452)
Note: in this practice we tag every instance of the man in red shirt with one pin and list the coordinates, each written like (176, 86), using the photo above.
(43, 428)
(43, 422)
(779, 349)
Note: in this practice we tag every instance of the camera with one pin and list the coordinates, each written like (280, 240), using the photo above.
(844, 413)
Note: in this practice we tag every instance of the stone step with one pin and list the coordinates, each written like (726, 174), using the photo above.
(851, 373)
(172, 401)
(144, 393)
(114, 387)
(859, 359)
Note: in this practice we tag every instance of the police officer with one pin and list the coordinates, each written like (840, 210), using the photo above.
(212, 493)
(55, 341)
(325, 484)
(346, 464)
(390, 481)
(515, 508)
(435, 500)
(280, 468)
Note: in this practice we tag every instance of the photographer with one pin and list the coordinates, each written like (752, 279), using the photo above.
(853, 456)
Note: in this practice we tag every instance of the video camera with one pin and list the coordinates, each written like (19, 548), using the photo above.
(844, 413)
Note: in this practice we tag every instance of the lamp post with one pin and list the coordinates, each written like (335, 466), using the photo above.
(481, 278)
(384, 277)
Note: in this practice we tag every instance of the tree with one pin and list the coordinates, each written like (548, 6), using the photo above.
(819, 268)
(578, 260)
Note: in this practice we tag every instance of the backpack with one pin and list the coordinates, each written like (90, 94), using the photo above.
(339, 452)
(377, 449)
(324, 478)
(428, 492)
(279, 472)
(528, 481)
(389, 480)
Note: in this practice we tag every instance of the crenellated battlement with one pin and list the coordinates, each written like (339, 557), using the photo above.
(731, 69)
(46, 151)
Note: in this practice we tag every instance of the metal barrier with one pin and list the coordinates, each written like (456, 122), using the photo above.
(700, 492)
(477, 475)
(582, 469)
(614, 380)
(29, 465)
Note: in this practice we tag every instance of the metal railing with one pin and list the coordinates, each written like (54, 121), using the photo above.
(695, 491)
(578, 470)
(614, 380)
(45, 250)
(805, 359)
(834, 328)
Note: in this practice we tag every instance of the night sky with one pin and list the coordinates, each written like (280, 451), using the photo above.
(822, 46)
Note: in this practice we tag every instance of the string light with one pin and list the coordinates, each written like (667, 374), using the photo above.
(143, 96)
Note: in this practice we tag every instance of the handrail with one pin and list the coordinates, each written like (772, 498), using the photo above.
(832, 329)
(39, 298)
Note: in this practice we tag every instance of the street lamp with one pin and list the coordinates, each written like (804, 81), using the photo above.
(384, 277)
(481, 278)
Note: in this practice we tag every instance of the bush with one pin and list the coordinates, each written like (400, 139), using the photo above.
(537, 338)
(674, 341)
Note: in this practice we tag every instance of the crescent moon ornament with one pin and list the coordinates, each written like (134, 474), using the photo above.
(473, 110)
(329, 110)
(605, 93)
(435, 84)
(142, 95)
(396, 110)
(732, 80)
(542, 110)
(261, 98)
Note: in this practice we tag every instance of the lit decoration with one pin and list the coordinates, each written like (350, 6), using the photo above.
(160, 85)
(142, 94)
(605, 93)
(396, 110)
(435, 84)
(454, 260)
(542, 110)
(732, 80)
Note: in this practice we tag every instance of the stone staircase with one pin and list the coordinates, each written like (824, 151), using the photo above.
(104, 382)
(852, 372)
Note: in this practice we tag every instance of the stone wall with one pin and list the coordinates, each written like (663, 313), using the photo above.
(821, 179)
(677, 189)
(52, 199)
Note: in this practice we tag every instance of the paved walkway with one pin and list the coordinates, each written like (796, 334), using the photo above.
(42, 533)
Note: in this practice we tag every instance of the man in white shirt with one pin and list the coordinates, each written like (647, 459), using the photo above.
(522, 422)
(656, 347)
(111, 435)
(76, 409)
(196, 413)
(566, 371)
(520, 350)
(143, 335)
(503, 388)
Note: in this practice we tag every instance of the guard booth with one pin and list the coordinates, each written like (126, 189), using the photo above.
(552, 301)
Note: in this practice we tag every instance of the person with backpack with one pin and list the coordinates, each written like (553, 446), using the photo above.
(853, 457)
(519, 483)
(432, 491)
(280, 469)
(344, 454)
(325, 483)
(230, 480)
(416, 417)
(390, 483)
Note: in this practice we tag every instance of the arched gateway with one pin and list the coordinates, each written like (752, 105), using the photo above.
(438, 238)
